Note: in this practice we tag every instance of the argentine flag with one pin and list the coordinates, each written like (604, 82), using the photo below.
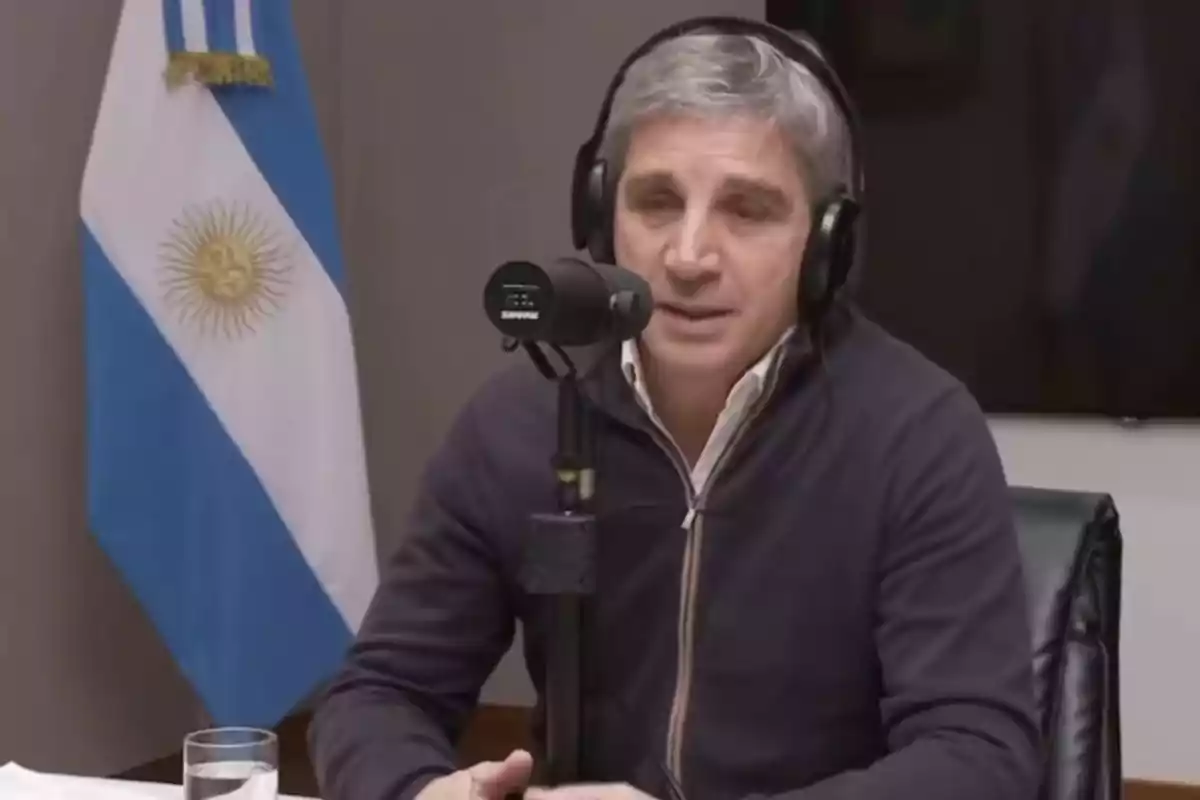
(226, 473)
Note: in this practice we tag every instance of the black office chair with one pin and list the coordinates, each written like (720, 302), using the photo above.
(1071, 547)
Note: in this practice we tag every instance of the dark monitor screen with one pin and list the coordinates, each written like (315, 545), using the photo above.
(1033, 174)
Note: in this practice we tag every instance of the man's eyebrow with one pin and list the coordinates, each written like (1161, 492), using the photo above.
(761, 190)
(648, 180)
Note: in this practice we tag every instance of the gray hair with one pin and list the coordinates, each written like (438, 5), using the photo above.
(715, 73)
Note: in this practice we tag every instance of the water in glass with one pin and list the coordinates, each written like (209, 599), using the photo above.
(240, 780)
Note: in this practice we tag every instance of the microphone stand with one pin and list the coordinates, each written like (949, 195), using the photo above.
(558, 564)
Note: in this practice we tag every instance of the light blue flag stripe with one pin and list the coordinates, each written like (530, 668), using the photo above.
(173, 24)
(278, 127)
(185, 519)
(222, 37)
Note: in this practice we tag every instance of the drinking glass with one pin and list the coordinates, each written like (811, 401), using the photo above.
(240, 763)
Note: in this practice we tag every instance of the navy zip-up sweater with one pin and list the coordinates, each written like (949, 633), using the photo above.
(842, 616)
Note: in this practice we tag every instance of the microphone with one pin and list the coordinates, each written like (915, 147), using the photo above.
(567, 302)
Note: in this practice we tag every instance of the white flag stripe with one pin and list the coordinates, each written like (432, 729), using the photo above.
(244, 25)
(144, 169)
(195, 26)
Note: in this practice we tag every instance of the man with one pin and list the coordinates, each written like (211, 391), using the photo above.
(808, 583)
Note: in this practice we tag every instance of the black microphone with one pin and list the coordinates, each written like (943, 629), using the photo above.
(567, 302)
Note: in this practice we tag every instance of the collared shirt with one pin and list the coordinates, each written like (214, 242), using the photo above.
(740, 400)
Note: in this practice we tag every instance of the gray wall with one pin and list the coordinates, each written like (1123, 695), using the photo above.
(450, 127)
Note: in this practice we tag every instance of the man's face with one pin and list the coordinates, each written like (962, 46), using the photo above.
(712, 212)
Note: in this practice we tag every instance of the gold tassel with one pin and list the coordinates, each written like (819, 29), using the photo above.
(217, 69)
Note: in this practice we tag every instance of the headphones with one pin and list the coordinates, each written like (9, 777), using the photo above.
(834, 244)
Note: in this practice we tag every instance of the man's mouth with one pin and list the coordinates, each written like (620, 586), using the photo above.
(693, 313)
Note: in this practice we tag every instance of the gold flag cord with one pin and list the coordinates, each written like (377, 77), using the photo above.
(217, 69)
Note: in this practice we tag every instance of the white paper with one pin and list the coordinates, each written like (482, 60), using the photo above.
(19, 783)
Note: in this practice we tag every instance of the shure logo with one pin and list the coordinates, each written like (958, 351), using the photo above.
(530, 315)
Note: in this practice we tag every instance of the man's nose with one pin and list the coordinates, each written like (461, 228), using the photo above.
(691, 252)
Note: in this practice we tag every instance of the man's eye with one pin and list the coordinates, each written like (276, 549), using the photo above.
(748, 209)
(657, 201)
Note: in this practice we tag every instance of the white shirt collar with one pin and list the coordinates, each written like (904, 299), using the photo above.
(744, 391)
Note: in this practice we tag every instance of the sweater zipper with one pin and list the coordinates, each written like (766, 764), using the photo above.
(684, 628)
(689, 580)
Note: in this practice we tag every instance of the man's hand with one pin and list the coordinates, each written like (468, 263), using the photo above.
(487, 780)
(588, 791)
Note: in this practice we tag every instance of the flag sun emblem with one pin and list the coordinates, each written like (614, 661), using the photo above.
(225, 269)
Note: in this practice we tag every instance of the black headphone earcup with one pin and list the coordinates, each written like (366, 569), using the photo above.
(582, 202)
(599, 239)
(828, 256)
(590, 226)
